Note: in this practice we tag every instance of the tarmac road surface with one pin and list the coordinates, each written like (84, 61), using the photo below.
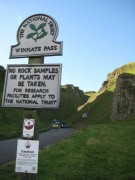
(8, 148)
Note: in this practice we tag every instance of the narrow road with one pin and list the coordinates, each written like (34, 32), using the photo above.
(8, 148)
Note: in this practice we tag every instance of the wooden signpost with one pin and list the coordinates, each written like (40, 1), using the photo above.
(33, 86)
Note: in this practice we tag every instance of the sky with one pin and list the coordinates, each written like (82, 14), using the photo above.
(98, 36)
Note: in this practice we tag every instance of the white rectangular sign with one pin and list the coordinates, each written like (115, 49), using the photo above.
(32, 86)
(27, 156)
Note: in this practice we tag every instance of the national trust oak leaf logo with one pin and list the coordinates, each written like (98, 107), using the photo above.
(38, 33)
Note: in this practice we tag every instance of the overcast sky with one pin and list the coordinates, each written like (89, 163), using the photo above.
(98, 36)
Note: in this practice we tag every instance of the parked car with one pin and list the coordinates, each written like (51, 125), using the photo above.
(55, 124)
(64, 124)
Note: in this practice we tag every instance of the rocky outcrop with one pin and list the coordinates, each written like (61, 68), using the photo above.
(123, 104)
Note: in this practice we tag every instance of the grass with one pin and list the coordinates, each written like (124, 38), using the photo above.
(103, 151)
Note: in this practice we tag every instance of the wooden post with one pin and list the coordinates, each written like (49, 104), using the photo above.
(32, 114)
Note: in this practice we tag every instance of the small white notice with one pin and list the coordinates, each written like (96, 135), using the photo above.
(27, 156)
(28, 128)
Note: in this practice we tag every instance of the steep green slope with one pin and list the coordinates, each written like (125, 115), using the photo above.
(98, 107)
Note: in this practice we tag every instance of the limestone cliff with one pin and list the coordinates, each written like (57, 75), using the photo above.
(123, 104)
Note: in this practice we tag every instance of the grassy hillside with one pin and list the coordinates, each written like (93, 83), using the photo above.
(98, 107)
